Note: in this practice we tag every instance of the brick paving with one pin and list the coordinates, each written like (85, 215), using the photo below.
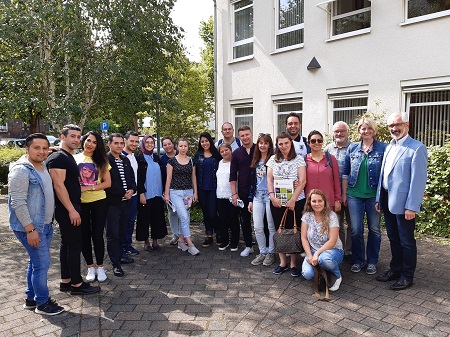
(169, 293)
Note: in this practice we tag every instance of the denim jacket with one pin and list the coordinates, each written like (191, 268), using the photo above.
(198, 163)
(355, 156)
(26, 199)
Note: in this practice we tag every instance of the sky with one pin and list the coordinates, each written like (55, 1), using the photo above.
(188, 14)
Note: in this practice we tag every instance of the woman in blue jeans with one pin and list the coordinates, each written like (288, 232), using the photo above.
(259, 200)
(360, 177)
(320, 237)
(206, 162)
(181, 189)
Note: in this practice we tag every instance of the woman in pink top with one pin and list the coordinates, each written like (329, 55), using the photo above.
(322, 171)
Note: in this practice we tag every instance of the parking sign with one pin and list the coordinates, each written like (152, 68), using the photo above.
(104, 126)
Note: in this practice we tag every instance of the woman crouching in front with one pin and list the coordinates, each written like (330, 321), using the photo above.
(320, 237)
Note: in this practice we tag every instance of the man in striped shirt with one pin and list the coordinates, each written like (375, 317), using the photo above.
(123, 186)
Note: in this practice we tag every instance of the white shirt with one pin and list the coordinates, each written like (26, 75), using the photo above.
(223, 190)
(300, 147)
(393, 149)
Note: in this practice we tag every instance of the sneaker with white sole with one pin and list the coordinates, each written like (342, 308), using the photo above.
(183, 246)
(336, 284)
(247, 251)
(90, 274)
(49, 308)
(193, 250)
(269, 260)
(174, 240)
(101, 275)
(371, 269)
(29, 304)
(259, 259)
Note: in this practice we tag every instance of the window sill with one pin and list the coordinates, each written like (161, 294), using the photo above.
(245, 58)
(425, 18)
(282, 50)
(350, 34)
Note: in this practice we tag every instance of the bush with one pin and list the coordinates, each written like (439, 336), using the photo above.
(8, 155)
(435, 219)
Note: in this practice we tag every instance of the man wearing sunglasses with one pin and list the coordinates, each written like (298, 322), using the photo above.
(293, 128)
(338, 149)
(400, 192)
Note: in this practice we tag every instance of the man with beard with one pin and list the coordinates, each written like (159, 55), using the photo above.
(338, 149)
(293, 126)
(400, 193)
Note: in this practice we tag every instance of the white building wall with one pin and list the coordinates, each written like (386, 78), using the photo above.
(380, 60)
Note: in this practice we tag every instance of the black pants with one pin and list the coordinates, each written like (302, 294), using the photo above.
(116, 226)
(151, 215)
(228, 222)
(277, 214)
(71, 245)
(245, 218)
(208, 203)
(93, 221)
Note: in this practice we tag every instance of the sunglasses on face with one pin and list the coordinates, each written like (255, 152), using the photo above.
(314, 141)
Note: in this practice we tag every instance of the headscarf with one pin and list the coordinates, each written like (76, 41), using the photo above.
(143, 149)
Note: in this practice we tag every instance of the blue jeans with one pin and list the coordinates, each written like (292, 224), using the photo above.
(208, 203)
(173, 221)
(261, 206)
(38, 265)
(358, 207)
(329, 260)
(184, 216)
(131, 219)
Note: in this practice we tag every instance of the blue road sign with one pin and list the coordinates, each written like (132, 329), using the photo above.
(104, 126)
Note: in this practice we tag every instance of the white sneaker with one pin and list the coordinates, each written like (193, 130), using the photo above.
(182, 246)
(101, 275)
(336, 284)
(193, 250)
(247, 251)
(91, 274)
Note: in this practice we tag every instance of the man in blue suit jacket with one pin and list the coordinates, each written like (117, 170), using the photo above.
(400, 193)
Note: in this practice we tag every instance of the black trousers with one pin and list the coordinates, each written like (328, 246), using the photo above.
(116, 226)
(71, 245)
(151, 217)
(245, 218)
(228, 222)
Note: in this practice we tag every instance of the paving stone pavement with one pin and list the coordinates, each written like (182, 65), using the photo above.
(170, 293)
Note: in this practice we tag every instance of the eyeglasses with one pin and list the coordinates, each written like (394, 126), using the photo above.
(340, 131)
(264, 134)
(314, 141)
(391, 126)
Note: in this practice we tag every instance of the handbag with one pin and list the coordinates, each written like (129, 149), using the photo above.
(321, 282)
(287, 240)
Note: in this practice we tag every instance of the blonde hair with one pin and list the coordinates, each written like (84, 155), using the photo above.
(326, 209)
(371, 123)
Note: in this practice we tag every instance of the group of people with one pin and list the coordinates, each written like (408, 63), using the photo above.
(328, 191)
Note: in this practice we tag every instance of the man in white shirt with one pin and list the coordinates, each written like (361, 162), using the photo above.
(293, 126)
(228, 137)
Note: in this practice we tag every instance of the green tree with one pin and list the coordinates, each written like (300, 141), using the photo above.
(207, 65)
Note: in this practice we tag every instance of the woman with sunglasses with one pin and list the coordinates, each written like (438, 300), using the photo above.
(151, 179)
(285, 165)
(322, 171)
(94, 178)
(362, 169)
(259, 200)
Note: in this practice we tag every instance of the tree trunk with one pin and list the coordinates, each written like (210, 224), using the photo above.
(33, 120)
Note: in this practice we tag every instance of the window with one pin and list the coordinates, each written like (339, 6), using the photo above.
(243, 115)
(416, 8)
(289, 23)
(242, 28)
(283, 109)
(4, 127)
(349, 16)
(429, 113)
(348, 106)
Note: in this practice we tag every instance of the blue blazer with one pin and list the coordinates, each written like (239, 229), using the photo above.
(407, 179)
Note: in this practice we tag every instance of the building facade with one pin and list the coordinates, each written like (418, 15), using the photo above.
(332, 60)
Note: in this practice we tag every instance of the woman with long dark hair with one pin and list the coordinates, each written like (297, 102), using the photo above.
(150, 184)
(206, 162)
(320, 237)
(286, 166)
(94, 178)
(259, 200)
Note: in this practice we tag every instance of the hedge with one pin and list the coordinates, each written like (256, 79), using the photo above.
(8, 155)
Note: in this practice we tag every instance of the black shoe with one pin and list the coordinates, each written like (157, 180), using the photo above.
(218, 239)
(387, 276)
(208, 242)
(401, 284)
(49, 308)
(118, 272)
(64, 287)
(29, 304)
(84, 289)
(156, 248)
(126, 260)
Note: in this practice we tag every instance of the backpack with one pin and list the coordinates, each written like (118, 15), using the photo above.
(329, 161)
(238, 141)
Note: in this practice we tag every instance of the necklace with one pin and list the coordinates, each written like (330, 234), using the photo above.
(366, 148)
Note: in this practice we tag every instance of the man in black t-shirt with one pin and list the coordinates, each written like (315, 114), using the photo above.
(64, 173)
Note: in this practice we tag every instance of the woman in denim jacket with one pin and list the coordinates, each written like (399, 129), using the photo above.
(362, 170)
